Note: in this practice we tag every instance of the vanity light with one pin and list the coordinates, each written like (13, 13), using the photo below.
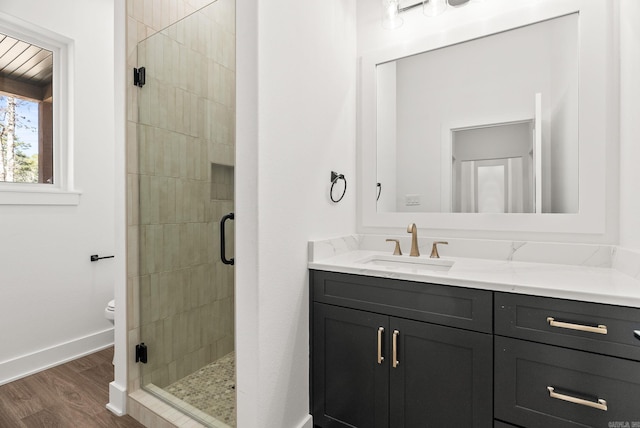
(391, 10)
(434, 7)
(390, 14)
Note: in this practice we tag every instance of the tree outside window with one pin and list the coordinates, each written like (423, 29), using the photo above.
(26, 112)
(18, 157)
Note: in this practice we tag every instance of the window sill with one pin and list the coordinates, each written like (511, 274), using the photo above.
(39, 197)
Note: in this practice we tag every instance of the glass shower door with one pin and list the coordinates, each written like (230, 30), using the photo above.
(186, 150)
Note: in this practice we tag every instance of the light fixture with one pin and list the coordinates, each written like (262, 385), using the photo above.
(391, 14)
(391, 10)
(434, 7)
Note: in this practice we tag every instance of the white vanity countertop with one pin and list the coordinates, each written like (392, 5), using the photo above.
(586, 283)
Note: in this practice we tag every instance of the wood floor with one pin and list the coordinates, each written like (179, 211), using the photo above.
(72, 395)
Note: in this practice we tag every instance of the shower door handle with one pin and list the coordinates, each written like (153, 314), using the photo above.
(223, 254)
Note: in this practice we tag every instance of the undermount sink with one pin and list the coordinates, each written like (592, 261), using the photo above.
(413, 264)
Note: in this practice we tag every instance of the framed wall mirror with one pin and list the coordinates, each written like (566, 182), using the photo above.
(497, 125)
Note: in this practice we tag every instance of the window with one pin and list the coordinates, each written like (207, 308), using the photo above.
(26, 112)
(34, 110)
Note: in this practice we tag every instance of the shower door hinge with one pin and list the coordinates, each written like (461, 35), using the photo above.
(139, 77)
(141, 353)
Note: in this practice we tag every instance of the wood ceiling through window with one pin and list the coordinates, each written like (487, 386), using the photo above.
(24, 63)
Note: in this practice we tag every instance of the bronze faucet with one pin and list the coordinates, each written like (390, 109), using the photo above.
(413, 230)
(434, 249)
(397, 251)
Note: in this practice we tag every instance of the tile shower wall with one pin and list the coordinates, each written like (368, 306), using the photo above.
(179, 172)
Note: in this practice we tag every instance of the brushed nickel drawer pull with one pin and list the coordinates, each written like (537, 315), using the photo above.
(600, 404)
(380, 333)
(396, 333)
(601, 329)
(636, 333)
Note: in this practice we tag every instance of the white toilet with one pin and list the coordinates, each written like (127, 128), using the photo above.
(109, 311)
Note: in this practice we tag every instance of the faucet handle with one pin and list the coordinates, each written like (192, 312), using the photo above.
(397, 251)
(434, 249)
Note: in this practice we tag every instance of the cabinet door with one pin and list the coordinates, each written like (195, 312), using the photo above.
(350, 387)
(443, 376)
(547, 386)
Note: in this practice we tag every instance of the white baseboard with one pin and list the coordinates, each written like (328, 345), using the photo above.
(43, 359)
(117, 399)
(307, 422)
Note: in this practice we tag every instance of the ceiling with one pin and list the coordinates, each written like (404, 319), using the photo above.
(24, 63)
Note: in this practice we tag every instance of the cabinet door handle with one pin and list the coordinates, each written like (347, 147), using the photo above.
(601, 329)
(600, 404)
(396, 333)
(380, 334)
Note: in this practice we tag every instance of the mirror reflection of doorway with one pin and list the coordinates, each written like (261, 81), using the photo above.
(493, 168)
(491, 186)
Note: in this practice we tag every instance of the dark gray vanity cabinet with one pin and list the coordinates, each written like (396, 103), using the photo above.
(391, 353)
(562, 363)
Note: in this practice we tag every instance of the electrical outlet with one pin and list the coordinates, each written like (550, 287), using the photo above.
(411, 200)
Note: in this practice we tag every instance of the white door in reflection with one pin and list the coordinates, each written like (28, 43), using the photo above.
(484, 156)
(491, 186)
(491, 189)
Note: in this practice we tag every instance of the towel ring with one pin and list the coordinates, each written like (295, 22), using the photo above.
(334, 179)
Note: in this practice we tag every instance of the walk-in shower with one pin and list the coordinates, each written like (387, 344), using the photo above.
(186, 150)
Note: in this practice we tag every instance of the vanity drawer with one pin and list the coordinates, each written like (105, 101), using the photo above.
(594, 327)
(589, 390)
(452, 306)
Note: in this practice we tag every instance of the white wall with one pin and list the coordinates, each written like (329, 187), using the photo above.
(629, 124)
(118, 388)
(296, 75)
(372, 36)
(52, 297)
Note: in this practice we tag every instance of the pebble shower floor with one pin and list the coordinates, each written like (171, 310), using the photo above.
(212, 389)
